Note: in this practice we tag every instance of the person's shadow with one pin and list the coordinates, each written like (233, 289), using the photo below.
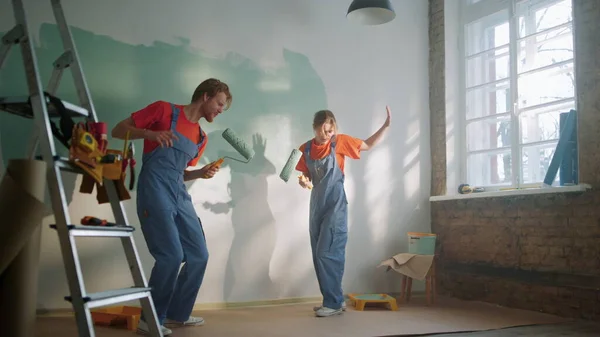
(253, 224)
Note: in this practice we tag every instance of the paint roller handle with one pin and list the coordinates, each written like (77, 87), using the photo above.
(217, 163)
(304, 181)
(214, 165)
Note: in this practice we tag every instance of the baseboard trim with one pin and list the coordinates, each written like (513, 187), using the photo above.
(64, 312)
(249, 304)
(224, 305)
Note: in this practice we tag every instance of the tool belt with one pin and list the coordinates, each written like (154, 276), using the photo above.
(87, 143)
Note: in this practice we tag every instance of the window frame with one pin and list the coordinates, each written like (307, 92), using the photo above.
(471, 12)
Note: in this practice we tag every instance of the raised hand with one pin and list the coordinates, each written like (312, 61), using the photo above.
(259, 144)
(388, 119)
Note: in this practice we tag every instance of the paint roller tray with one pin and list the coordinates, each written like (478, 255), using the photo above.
(360, 300)
(118, 315)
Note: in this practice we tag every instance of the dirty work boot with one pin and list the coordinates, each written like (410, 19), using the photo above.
(143, 329)
(192, 321)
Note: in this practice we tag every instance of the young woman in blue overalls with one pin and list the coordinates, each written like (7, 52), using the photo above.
(322, 167)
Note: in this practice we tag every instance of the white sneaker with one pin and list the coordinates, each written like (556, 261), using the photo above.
(192, 321)
(319, 307)
(325, 312)
(143, 329)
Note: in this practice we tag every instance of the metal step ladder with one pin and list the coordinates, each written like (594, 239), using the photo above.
(40, 105)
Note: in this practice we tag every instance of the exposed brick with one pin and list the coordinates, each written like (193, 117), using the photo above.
(437, 97)
(563, 301)
(586, 16)
(533, 238)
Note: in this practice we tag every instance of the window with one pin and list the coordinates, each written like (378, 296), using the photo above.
(518, 79)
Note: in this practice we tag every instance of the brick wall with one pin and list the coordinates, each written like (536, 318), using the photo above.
(586, 16)
(437, 97)
(535, 252)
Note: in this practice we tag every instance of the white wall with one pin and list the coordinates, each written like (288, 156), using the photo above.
(357, 69)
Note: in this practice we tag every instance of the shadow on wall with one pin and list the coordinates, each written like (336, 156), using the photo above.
(388, 190)
(123, 78)
(254, 236)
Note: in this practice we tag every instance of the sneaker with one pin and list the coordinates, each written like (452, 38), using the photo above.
(319, 307)
(325, 312)
(192, 321)
(143, 329)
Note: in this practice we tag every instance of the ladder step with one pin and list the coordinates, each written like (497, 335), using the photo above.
(109, 297)
(102, 231)
(64, 164)
(20, 106)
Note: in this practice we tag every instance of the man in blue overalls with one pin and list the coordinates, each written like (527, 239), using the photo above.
(173, 142)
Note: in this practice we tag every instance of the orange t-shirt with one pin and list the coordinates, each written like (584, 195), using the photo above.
(157, 117)
(346, 146)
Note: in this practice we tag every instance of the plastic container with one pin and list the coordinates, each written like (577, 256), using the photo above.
(421, 243)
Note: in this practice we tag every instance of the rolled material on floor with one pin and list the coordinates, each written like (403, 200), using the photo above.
(22, 210)
(21, 206)
(19, 288)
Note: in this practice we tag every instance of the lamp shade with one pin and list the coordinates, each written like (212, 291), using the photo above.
(371, 12)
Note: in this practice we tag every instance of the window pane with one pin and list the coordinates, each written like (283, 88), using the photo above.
(487, 169)
(487, 33)
(546, 86)
(488, 100)
(535, 162)
(545, 49)
(543, 123)
(492, 65)
(490, 133)
(534, 17)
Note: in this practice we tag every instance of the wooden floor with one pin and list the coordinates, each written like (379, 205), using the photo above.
(298, 320)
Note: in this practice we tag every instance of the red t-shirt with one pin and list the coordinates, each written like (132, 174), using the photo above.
(345, 146)
(157, 117)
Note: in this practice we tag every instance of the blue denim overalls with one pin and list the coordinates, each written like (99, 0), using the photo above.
(328, 224)
(172, 230)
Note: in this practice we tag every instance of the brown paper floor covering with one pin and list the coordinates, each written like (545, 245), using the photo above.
(297, 320)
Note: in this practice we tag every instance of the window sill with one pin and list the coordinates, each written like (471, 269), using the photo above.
(515, 192)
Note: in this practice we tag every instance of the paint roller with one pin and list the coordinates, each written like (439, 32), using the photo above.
(238, 144)
(290, 166)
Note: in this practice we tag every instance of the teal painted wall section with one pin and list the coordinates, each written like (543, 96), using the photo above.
(123, 78)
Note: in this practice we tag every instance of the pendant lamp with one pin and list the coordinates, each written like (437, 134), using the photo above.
(371, 12)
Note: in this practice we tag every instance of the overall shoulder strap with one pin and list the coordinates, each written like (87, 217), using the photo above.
(333, 142)
(174, 116)
(307, 147)
(203, 136)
